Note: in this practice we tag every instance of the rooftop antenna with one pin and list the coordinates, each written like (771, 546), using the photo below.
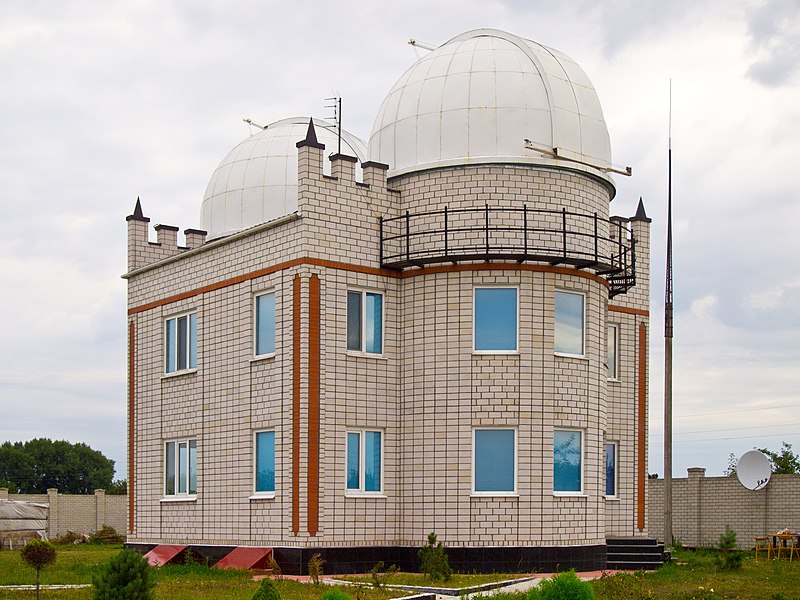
(668, 349)
(337, 116)
(417, 44)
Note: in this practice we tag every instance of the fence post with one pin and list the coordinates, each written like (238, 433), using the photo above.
(408, 235)
(99, 509)
(380, 226)
(564, 230)
(52, 512)
(487, 230)
(525, 228)
(595, 238)
(445, 231)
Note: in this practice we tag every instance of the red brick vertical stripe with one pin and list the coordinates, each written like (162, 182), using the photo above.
(296, 308)
(131, 418)
(641, 458)
(313, 403)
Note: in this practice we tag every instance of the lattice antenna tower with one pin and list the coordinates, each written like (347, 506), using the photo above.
(336, 105)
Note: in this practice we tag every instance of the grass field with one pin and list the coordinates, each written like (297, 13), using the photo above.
(693, 575)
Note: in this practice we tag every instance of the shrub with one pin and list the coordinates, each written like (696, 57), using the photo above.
(336, 594)
(127, 576)
(71, 537)
(433, 560)
(566, 586)
(728, 558)
(267, 591)
(315, 567)
(380, 575)
(277, 572)
(39, 554)
(106, 535)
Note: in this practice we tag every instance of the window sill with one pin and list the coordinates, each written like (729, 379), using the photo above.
(614, 380)
(261, 357)
(358, 354)
(168, 499)
(577, 356)
(378, 495)
(612, 498)
(179, 373)
(570, 495)
(263, 496)
(495, 353)
(490, 495)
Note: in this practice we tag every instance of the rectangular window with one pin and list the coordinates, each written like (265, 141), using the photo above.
(494, 469)
(569, 323)
(495, 320)
(181, 343)
(180, 468)
(364, 461)
(265, 324)
(567, 461)
(611, 470)
(365, 321)
(265, 462)
(612, 354)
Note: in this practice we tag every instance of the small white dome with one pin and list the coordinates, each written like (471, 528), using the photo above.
(257, 181)
(476, 98)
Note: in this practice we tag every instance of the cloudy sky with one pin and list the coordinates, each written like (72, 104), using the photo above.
(104, 101)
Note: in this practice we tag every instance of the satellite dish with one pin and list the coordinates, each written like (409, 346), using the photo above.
(753, 470)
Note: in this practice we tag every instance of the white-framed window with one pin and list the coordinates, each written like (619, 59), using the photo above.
(569, 323)
(265, 324)
(364, 461)
(180, 468)
(180, 343)
(612, 351)
(365, 321)
(494, 461)
(264, 472)
(611, 469)
(495, 317)
(567, 461)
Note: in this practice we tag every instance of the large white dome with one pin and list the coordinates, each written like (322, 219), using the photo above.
(257, 181)
(476, 98)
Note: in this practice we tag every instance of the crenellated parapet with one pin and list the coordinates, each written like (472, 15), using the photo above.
(339, 212)
(143, 252)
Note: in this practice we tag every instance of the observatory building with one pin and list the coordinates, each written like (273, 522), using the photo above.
(441, 330)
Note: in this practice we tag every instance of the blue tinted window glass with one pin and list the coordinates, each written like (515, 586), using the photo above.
(170, 347)
(183, 346)
(567, 461)
(611, 469)
(192, 467)
(495, 319)
(192, 341)
(372, 461)
(354, 320)
(183, 466)
(494, 460)
(265, 324)
(569, 323)
(353, 446)
(169, 469)
(373, 327)
(265, 461)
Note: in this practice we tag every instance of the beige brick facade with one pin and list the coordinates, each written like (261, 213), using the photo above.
(426, 392)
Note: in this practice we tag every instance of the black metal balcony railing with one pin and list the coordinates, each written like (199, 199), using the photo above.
(557, 237)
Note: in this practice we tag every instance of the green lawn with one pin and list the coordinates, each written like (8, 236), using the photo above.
(692, 575)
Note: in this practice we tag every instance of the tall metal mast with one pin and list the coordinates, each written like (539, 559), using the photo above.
(668, 350)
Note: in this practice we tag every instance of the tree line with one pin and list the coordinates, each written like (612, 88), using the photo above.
(34, 466)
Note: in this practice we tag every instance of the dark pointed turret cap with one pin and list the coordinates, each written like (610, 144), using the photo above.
(311, 138)
(137, 213)
(640, 214)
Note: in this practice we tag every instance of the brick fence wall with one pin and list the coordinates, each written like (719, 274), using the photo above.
(702, 506)
(78, 513)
